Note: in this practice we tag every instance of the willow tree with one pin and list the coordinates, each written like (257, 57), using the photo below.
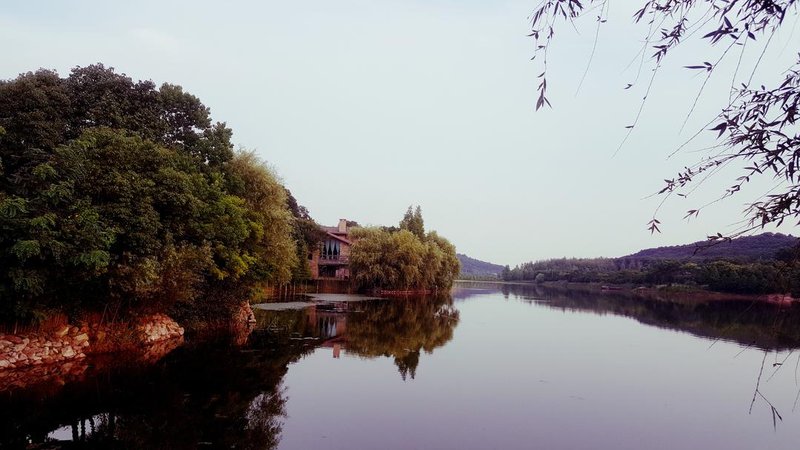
(386, 259)
(271, 244)
(756, 128)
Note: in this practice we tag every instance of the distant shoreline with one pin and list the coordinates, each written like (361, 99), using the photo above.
(677, 292)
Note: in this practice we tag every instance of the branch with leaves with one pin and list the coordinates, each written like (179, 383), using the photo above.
(757, 127)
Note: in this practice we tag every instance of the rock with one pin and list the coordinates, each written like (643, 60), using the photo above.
(73, 330)
(4, 364)
(62, 331)
(14, 339)
(68, 352)
(81, 338)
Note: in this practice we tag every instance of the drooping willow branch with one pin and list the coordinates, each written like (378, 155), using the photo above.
(758, 126)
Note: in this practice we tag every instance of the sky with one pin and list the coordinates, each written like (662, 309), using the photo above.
(366, 107)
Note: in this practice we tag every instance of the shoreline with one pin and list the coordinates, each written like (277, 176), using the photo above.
(677, 292)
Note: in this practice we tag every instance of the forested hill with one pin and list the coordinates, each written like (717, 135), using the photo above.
(746, 248)
(471, 267)
(764, 264)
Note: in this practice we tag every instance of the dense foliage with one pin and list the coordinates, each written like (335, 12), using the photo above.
(406, 259)
(763, 264)
(115, 192)
(764, 277)
(744, 248)
(472, 268)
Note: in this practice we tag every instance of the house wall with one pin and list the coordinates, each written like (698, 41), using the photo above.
(341, 272)
(313, 264)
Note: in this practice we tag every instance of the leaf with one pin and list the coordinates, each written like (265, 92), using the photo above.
(721, 128)
(26, 249)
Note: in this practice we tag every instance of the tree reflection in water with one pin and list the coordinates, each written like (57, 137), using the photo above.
(399, 328)
(751, 323)
(754, 323)
(215, 394)
(218, 395)
(402, 329)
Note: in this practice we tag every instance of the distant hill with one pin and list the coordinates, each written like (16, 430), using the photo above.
(471, 267)
(746, 248)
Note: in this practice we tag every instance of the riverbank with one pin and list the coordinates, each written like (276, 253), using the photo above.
(55, 354)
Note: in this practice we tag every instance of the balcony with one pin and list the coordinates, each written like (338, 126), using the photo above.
(333, 260)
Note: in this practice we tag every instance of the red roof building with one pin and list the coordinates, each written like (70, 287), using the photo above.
(331, 259)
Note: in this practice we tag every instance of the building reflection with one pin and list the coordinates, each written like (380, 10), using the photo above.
(331, 326)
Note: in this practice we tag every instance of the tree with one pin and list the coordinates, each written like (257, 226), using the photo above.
(115, 192)
(307, 235)
(412, 221)
(505, 275)
(758, 126)
(401, 259)
(270, 244)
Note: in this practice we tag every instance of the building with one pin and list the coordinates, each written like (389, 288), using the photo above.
(331, 259)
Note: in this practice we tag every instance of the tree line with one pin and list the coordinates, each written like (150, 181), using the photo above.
(779, 275)
(116, 192)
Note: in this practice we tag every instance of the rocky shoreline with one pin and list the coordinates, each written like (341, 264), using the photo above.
(59, 355)
(70, 342)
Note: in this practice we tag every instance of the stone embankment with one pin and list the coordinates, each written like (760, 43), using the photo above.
(158, 327)
(67, 342)
(74, 342)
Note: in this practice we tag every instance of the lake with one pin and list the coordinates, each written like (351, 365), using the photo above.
(488, 367)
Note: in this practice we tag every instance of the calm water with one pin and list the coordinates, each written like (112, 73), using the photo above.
(489, 367)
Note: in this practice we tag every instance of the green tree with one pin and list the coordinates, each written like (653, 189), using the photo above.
(270, 244)
(412, 221)
(386, 259)
(113, 191)
(307, 235)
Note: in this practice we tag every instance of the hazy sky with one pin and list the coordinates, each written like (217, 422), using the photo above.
(365, 107)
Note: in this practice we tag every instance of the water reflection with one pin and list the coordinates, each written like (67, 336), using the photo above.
(401, 329)
(746, 322)
(210, 395)
(315, 377)
(216, 394)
